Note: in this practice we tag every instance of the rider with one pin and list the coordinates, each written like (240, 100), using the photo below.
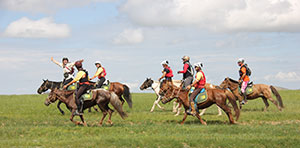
(82, 77)
(199, 84)
(101, 73)
(187, 72)
(67, 69)
(244, 78)
(167, 72)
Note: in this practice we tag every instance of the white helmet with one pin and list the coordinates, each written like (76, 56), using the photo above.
(242, 60)
(97, 62)
(199, 64)
(165, 62)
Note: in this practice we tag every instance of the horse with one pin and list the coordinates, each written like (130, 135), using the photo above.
(46, 85)
(215, 96)
(155, 86)
(259, 90)
(100, 97)
(118, 88)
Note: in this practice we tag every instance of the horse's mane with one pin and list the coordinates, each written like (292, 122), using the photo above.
(232, 80)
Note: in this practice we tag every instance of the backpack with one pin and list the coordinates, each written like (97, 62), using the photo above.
(248, 70)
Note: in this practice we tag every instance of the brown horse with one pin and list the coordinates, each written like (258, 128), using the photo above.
(122, 91)
(259, 90)
(215, 96)
(101, 98)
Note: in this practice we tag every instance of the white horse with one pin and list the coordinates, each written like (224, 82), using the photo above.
(155, 86)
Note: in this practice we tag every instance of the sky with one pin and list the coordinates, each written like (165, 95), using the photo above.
(132, 37)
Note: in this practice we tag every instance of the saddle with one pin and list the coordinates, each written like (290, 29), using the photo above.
(106, 85)
(249, 89)
(201, 97)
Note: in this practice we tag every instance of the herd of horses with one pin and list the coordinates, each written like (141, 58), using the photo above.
(224, 96)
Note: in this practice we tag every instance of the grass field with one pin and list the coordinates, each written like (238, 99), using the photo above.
(27, 122)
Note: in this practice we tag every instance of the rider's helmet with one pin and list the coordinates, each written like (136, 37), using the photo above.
(65, 58)
(186, 58)
(241, 60)
(78, 64)
(165, 62)
(199, 64)
(97, 62)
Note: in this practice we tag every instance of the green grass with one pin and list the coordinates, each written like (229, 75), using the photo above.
(26, 122)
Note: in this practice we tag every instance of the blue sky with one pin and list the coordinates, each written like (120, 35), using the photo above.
(132, 37)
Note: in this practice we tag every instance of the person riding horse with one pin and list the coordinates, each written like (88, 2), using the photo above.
(83, 78)
(188, 72)
(68, 69)
(244, 78)
(167, 72)
(199, 84)
(100, 73)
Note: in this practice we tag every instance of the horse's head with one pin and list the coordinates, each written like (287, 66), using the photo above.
(166, 91)
(44, 87)
(52, 97)
(148, 83)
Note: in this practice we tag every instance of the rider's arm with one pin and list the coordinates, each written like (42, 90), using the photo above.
(185, 68)
(57, 63)
(77, 78)
(97, 73)
(244, 70)
(164, 74)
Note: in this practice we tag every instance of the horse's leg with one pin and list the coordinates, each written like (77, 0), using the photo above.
(122, 100)
(110, 112)
(200, 119)
(226, 109)
(266, 103)
(83, 122)
(220, 111)
(203, 111)
(184, 118)
(104, 112)
(156, 102)
(274, 102)
(72, 117)
(175, 107)
(179, 109)
(58, 106)
(90, 110)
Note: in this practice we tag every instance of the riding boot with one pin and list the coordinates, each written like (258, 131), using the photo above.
(245, 98)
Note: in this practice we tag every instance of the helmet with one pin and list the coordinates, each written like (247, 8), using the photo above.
(242, 60)
(97, 62)
(78, 64)
(199, 64)
(185, 58)
(165, 62)
(65, 58)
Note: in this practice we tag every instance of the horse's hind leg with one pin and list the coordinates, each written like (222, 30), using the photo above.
(266, 103)
(104, 112)
(269, 96)
(58, 106)
(178, 109)
(202, 112)
(200, 119)
(227, 110)
(110, 112)
(83, 122)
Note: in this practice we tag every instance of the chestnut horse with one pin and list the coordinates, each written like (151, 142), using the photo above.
(259, 90)
(101, 98)
(215, 96)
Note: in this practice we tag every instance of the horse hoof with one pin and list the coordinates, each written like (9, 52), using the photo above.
(85, 124)
(204, 123)
(77, 123)
(110, 123)
(100, 124)
(63, 113)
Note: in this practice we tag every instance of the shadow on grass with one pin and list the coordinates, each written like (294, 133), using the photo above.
(252, 109)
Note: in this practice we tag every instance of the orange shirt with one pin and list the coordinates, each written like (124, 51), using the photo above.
(246, 78)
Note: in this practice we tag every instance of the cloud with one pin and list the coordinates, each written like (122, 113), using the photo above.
(43, 28)
(44, 6)
(129, 36)
(284, 77)
(219, 16)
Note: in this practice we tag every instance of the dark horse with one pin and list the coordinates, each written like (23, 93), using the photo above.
(259, 90)
(101, 98)
(215, 96)
(118, 88)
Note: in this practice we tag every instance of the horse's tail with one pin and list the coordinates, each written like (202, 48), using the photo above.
(116, 103)
(127, 95)
(232, 100)
(279, 99)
